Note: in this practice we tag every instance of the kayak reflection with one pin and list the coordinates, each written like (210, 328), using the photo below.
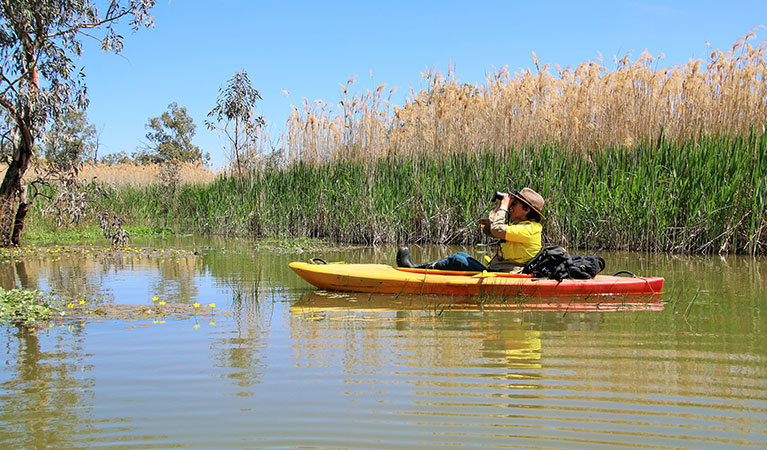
(326, 301)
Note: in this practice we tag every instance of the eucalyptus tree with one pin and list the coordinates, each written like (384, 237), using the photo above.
(235, 114)
(170, 135)
(38, 79)
(70, 141)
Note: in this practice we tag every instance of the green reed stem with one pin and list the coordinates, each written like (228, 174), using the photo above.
(703, 196)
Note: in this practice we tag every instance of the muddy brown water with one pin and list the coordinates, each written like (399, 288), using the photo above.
(284, 366)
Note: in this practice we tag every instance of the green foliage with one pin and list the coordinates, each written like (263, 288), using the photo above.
(39, 81)
(171, 136)
(236, 102)
(113, 159)
(39, 39)
(45, 234)
(25, 307)
(70, 141)
(48, 234)
(235, 112)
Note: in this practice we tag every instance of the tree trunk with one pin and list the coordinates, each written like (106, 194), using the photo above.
(10, 185)
(6, 220)
(21, 215)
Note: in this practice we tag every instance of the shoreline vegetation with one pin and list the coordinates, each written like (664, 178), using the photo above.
(635, 157)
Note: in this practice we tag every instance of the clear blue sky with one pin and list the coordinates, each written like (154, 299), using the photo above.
(309, 47)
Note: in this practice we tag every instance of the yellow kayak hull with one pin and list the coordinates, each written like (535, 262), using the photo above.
(382, 278)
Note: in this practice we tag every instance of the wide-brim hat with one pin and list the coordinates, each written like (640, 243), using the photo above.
(530, 198)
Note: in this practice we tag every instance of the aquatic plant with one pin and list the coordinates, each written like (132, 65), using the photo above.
(24, 307)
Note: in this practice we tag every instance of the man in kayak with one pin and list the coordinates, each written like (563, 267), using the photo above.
(520, 238)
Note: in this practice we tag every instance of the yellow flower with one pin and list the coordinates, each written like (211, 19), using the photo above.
(154, 299)
(162, 303)
(196, 305)
(212, 305)
(82, 302)
(70, 305)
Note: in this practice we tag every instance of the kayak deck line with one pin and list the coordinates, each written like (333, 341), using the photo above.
(382, 278)
(462, 273)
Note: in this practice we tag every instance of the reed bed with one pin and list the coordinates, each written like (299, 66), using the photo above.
(138, 175)
(582, 110)
(700, 196)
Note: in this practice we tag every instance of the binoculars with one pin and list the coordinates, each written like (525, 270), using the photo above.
(498, 196)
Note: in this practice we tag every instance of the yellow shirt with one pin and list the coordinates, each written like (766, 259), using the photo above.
(523, 241)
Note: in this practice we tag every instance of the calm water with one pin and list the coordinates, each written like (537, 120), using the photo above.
(288, 367)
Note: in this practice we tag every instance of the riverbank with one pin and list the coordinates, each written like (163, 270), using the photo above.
(698, 196)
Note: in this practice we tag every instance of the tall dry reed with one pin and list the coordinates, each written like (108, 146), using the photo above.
(589, 107)
(137, 175)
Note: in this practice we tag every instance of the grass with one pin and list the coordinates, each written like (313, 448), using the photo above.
(136, 175)
(49, 234)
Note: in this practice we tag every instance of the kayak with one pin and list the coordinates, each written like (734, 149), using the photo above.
(385, 279)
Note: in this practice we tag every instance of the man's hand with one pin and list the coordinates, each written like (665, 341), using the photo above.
(506, 202)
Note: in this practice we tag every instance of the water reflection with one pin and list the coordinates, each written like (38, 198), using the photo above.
(14, 275)
(319, 301)
(43, 403)
(289, 366)
(540, 377)
(242, 352)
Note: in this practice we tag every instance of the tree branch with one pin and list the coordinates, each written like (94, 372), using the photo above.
(18, 27)
(5, 103)
(11, 83)
(87, 26)
(26, 134)
(39, 28)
